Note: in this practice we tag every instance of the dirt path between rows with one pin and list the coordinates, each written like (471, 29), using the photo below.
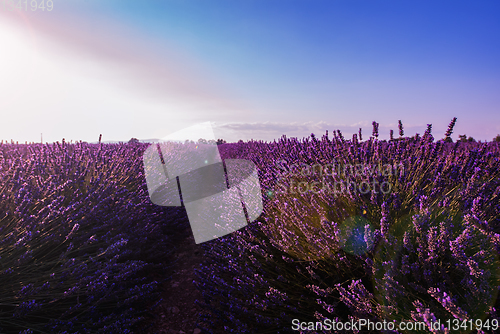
(178, 312)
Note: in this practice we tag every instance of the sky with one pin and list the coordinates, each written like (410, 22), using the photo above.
(256, 69)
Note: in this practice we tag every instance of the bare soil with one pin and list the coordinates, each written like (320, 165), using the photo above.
(178, 312)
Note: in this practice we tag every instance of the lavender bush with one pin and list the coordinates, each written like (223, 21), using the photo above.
(425, 250)
(82, 247)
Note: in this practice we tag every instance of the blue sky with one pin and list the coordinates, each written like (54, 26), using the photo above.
(257, 69)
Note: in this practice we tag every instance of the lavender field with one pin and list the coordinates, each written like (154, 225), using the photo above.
(426, 250)
(82, 248)
(395, 231)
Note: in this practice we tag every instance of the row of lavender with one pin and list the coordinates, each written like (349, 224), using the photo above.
(426, 250)
(81, 244)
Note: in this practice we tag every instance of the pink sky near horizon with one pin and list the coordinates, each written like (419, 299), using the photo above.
(157, 74)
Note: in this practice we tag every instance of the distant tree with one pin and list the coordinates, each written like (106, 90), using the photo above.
(341, 137)
(221, 141)
(133, 141)
(202, 141)
(471, 140)
(463, 138)
(497, 138)
(428, 132)
(391, 134)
